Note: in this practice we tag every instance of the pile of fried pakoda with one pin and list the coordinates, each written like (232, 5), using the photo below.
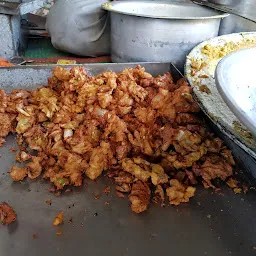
(144, 132)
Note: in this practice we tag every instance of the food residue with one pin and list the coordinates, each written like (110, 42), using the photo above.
(232, 183)
(49, 202)
(59, 233)
(58, 219)
(204, 88)
(35, 236)
(7, 214)
(98, 196)
(107, 190)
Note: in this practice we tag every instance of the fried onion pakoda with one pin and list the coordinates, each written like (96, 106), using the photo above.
(145, 132)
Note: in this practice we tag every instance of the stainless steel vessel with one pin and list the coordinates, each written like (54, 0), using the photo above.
(159, 31)
(236, 83)
(235, 23)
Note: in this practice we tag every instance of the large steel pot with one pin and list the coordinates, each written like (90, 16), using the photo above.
(159, 31)
(234, 23)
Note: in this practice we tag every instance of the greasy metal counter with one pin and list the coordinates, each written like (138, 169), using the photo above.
(213, 223)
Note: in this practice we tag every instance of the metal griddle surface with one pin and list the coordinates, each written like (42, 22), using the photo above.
(211, 224)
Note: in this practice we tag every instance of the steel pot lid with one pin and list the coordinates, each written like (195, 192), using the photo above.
(163, 10)
(236, 82)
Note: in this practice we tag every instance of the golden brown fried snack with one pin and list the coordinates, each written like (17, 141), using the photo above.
(18, 174)
(58, 219)
(22, 156)
(138, 167)
(139, 197)
(7, 214)
(179, 193)
(214, 166)
(158, 197)
(6, 124)
(100, 160)
(3, 101)
(158, 175)
(232, 183)
(147, 129)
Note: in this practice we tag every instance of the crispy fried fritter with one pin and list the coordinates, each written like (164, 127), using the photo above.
(158, 175)
(22, 156)
(7, 214)
(100, 160)
(58, 219)
(179, 193)
(214, 166)
(159, 197)
(6, 121)
(3, 101)
(18, 174)
(138, 167)
(145, 131)
(139, 196)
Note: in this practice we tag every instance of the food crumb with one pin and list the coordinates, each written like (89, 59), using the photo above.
(58, 193)
(203, 76)
(59, 233)
(13, 150)
(209, 216)
(204, 88)
(96, 197)
(245, 188)
(52, 189)
(107, 203)
(58, 219)
(95, 214)
(7, 214)
(119, 194)
(49, 202)
(35, 236)
(237, 190)
(107, 190)
(70, 220)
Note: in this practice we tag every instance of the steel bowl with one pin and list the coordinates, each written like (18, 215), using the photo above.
(159, 31)
(236, 82)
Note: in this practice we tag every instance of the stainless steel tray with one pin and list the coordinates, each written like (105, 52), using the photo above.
(212, 103)
(211, 224)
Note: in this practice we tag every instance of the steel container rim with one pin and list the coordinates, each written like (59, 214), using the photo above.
(110, 7)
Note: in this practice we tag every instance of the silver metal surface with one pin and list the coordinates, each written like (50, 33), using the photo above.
(245, 8)
(235, 23)
(211, 224)
(225, 7)
(159, 31)
(212, 103)
(236, 81)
